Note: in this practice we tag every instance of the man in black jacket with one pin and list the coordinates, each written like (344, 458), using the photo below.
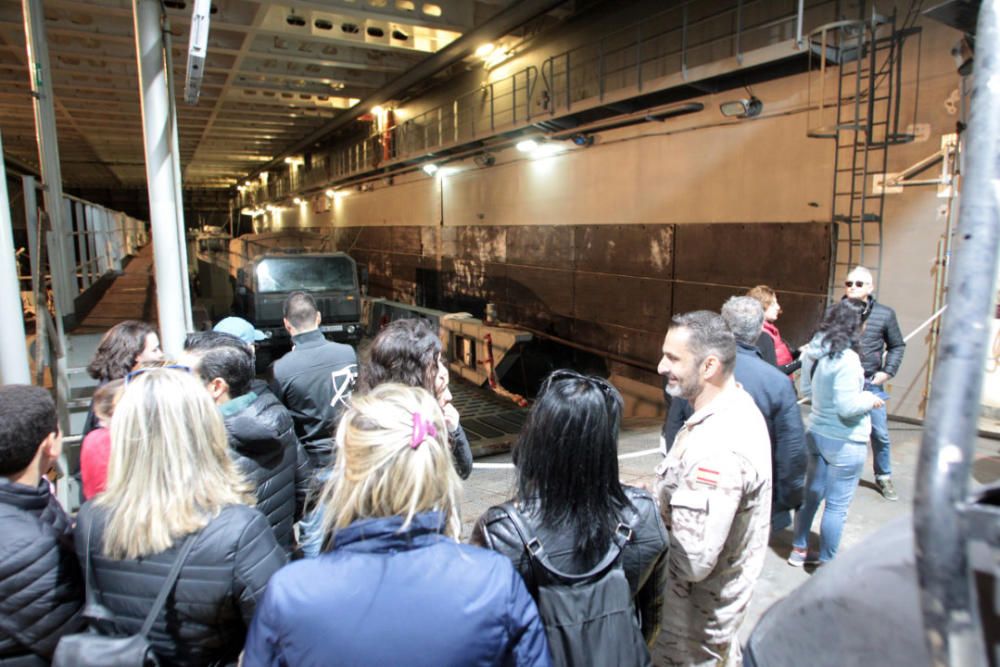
(315, 380)
(41, 590)
(774, 395)
(882, 349)
(260, 431)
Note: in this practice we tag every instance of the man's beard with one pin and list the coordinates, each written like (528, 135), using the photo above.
(680, 389)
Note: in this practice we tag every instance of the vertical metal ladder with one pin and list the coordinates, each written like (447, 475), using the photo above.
(863, 121)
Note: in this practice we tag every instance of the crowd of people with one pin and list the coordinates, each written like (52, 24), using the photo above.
(313, 518)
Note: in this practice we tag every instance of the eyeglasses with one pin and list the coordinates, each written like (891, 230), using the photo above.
(605, 387)
(139, 371)
(855, 283)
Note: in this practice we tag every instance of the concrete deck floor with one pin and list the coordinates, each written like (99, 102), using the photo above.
(487, 486)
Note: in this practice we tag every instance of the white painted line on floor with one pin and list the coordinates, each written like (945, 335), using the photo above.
(636, 455)
(510, 466)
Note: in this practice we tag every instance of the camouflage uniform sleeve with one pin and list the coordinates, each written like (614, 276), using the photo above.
(699, 514)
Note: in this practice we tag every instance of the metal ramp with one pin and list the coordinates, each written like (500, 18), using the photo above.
(864, 121)
(491, 422)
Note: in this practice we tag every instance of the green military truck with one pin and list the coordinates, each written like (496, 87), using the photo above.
(264, 283)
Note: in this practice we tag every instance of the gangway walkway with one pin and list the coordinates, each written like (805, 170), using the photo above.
(130, 297)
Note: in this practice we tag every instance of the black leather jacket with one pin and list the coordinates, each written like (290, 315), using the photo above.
(206, 617)
(303, 380)
(644, 557)
(263, 444)
(41, 591)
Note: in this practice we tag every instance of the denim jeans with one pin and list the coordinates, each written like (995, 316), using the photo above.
(833, 472)
(880, 433)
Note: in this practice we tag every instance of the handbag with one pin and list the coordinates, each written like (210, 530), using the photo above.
(92, 649)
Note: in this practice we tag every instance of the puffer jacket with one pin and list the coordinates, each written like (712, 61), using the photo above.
(881, 334)
(388, 595)
(263, 443)
(205, 619)
(41, 589)
(644, 556)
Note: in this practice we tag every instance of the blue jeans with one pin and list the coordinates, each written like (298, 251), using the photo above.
(880, 433)
(832, 474)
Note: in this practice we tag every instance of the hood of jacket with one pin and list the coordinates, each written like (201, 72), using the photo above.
(816, 348)
(386, 534)
(259, 428)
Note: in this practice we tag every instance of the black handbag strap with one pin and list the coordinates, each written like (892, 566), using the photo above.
(538, 556)
(161, 597)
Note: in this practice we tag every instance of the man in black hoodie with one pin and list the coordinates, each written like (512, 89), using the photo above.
(260, 431)
(41, 589)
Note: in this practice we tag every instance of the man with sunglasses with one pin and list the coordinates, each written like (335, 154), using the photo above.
(882, 349)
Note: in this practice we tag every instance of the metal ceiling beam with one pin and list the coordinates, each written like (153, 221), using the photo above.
(502, 23)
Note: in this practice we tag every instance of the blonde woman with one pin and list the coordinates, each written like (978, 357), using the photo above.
(170, 477)
(393, 587)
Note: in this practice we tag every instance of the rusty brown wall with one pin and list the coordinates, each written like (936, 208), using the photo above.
(610, 287)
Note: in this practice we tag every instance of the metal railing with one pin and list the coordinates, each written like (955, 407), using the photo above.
(655, 53)
(95, 241)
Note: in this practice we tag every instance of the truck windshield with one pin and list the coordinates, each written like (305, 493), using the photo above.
(310, 274)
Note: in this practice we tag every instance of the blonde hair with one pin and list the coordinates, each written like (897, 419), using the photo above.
(764, 294)
(169, 472)
(378, 473)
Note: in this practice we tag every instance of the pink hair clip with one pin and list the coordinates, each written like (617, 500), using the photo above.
(421, 429)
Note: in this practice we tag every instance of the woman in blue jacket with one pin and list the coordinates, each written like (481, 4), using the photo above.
(393, 586)
(839, 427)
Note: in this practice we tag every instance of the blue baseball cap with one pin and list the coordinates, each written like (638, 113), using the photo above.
(239, 327)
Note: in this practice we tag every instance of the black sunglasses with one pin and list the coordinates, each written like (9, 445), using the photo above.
(139, 371)
(855, 283)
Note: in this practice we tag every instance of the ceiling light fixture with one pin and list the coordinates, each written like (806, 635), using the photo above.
(485, 50)
(745, 108)
(331, 194)
(298, 200)
(430, 168)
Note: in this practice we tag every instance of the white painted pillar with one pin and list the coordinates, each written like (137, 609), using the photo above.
(171, 281)
(61, 262)
(14, 367)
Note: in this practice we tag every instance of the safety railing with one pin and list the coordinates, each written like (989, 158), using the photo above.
(94, 240)
(652, 54)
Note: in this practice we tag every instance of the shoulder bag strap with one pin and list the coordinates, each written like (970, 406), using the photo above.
(540, 559)
(168, 584)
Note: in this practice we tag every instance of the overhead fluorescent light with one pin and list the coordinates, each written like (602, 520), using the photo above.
(197, 50)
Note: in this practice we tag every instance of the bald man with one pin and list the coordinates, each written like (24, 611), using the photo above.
(882, 349)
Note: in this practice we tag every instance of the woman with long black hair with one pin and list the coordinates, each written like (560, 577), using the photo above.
(839, 427)
(570, 496)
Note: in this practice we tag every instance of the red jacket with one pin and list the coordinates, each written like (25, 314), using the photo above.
(781, 351)
(94, 454)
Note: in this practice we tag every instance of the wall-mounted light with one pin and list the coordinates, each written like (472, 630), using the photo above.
(527, 145)
(298, 200)
(484, 160)
(745, 108)
(330, 194)
(430, 168)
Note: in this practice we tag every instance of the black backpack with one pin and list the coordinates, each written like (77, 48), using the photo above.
(589, 618)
